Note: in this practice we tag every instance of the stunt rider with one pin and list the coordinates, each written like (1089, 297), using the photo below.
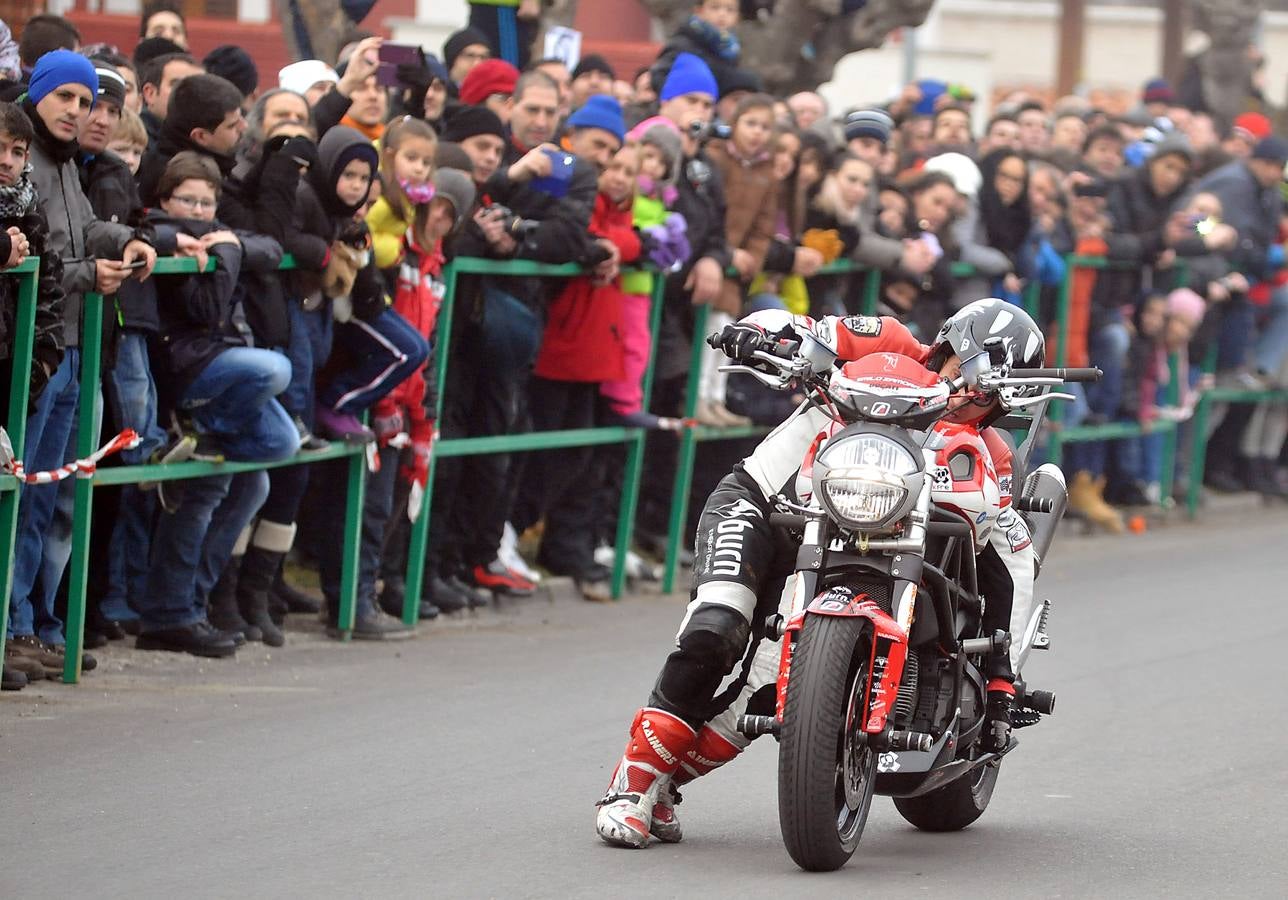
(742, 563)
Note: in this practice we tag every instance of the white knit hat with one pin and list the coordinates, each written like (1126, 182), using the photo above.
(961, 169)
(302, 75)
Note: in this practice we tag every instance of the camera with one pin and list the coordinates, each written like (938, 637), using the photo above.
(515, 226)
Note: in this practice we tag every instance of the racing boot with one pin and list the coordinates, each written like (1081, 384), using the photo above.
(997, 715)
(710, 751)
(658, 743)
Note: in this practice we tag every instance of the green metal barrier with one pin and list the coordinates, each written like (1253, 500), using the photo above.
(88, 435)
(632, 438)
(24, 334)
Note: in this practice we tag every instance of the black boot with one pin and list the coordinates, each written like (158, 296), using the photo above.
(997, 721)
(221, 605)
(294, 599)
(257, 571)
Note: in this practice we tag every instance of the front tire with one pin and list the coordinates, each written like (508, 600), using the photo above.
(953, 806)
(825, 777)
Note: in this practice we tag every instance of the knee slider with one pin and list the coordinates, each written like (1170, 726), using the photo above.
(716, 632)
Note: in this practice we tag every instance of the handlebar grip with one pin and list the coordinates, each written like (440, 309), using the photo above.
(787, 520)
(713, 340)
(1063, 374)
(1033, 504)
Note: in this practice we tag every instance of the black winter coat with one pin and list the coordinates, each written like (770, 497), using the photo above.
(114, 197)
(201, 315)
(47, 345)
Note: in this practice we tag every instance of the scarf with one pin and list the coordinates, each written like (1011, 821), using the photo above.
(17, 199)
(60, 151)
(372, 133)
(723, 44)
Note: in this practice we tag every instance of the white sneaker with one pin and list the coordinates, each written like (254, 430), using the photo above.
(508, 554)
(637, 568)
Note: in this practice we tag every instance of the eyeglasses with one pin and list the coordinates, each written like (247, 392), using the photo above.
(194, 203)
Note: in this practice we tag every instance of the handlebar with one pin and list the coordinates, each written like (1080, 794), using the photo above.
(1062, 374)
(787, 520)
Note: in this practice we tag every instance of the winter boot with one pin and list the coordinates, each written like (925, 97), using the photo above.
(997, 715)
(268, 545)
(659, 742)
(291, 598)
(1086, 497)
(710, 751)
(221, 604)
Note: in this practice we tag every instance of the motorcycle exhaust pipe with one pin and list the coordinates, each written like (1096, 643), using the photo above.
(1044, 498)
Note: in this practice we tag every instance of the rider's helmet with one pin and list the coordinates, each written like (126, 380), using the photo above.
(984, 335)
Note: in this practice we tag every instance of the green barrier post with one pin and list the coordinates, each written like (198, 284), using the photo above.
(90, 419)
(28, 273)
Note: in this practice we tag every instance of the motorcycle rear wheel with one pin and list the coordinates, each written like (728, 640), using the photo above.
(953, 806)
(825, 775)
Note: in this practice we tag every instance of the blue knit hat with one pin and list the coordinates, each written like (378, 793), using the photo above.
(689, 75)
(59, 67)
(600, 111)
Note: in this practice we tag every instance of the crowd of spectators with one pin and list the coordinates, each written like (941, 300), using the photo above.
(371, 176)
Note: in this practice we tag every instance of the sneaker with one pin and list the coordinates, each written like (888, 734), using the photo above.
(208, 449)
(180, 449)
(500, 579)
(508, 554)
(343, 426)
(308, 440)
(596, 590)
(637, 568)
(377, 625)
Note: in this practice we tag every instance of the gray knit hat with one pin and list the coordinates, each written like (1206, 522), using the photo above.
(1175, 143)
(668, 141)
(456, 186)
(873, 123)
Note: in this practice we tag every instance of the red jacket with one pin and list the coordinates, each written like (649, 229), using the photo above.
(583, 338)
(417, 298)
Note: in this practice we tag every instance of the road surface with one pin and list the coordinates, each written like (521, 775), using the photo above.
(465, 763)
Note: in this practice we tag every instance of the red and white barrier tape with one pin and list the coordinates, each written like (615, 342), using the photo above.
(81, 468)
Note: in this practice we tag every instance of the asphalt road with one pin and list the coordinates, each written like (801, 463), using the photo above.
(465, 763)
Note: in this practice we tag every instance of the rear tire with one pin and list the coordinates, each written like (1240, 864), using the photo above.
(825, 781)
(953, 806)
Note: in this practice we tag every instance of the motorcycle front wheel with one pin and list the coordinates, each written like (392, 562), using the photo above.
(826, 773)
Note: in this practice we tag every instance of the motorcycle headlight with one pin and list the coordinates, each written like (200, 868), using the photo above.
(867, 481)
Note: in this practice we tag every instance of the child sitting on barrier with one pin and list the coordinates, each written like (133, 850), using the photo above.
(226, 388)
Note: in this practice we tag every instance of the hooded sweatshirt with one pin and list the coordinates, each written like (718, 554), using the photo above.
(321, 218)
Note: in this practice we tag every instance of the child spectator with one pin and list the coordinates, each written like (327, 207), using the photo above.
(660, 153)
(832, 228)
(410, 410)
(225, 387)
(581, 347)
(129, 140)
(746, 165)
(406, 167)
(708, 35)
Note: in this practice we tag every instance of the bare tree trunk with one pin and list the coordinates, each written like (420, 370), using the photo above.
(1225, 66)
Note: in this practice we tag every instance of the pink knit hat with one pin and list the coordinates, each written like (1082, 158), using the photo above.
(638, 131)
(1185, 303)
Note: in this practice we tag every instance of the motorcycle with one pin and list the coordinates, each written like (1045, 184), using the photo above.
(880, 687)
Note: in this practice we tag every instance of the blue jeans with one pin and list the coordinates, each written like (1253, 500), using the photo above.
(232, 399)
(1272, 343)
(130, 389)
(387, 350)
(50, 430)
(376, 508)
(129, 551)
(178, 545)
(1108, 350)
(245, 496)
(311, 337)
